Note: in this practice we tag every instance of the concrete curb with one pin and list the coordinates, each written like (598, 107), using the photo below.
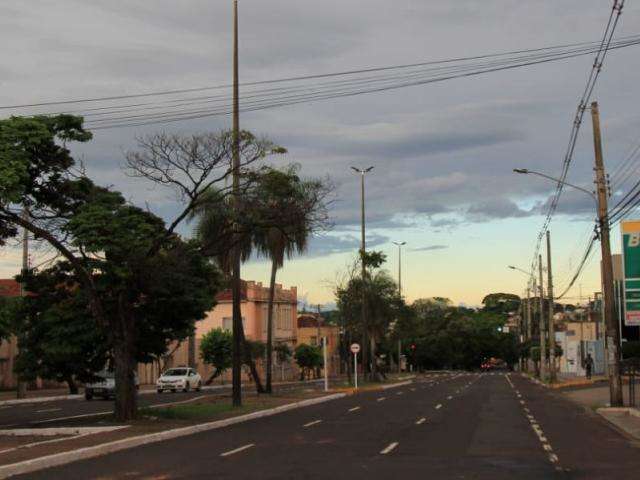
(111, 447)
(20, 401)
(634, 412)
(396, 385)
(50, 432)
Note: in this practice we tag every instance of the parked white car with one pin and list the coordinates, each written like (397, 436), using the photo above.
(182, 378)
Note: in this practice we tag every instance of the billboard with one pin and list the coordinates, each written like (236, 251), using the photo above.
(631, 269)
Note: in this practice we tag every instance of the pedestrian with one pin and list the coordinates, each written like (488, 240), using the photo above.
(588, 365)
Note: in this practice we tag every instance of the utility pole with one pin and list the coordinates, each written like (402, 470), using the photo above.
(235, 280)
(21, 391)
(363, 251)
(400, 245)
(529, 322)
(612, 329)
(543, 329)
(552, 331)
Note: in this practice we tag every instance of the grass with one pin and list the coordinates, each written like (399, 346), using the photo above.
(196, 411)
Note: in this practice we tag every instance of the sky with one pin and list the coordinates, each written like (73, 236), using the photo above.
(443, 153)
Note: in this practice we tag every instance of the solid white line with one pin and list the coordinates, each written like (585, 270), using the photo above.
(354, 409)
(315, 422)
(389, 448)
(438, 406)
(237, 450)
(48, 410)
(381, 399)
(421, 421)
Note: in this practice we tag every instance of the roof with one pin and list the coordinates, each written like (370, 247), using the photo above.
(9, 288)
(308, 320)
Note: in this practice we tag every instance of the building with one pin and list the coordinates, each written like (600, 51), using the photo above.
(8, 348)
(254, 307)
(312, 328)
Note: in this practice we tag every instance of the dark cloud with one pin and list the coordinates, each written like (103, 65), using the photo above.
(498, 208)
(330, 244)
(430, 248)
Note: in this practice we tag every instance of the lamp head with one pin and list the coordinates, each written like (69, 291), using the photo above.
(521, 170)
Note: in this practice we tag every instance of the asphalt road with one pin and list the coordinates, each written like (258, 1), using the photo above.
(57, 413)
(458, 426)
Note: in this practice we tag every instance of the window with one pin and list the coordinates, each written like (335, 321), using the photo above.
(227, 323)
(314, 341)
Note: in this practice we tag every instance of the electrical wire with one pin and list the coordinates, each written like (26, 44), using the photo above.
(594, 73)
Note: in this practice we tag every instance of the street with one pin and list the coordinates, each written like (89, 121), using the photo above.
(456, 425)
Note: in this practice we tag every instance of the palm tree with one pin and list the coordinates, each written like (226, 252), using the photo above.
(218, 235)
(286, 232)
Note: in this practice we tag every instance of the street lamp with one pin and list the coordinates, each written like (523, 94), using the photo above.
(399, 245)
(556, 180)
(363, 172)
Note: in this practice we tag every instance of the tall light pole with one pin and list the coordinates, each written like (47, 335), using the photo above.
(363, 246)
(235, 263)
(399, 245)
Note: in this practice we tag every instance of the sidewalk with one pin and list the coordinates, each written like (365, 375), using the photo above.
(597, 399)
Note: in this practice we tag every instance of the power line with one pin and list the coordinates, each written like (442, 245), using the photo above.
(285, 79)
(594, 73)
(285, 100)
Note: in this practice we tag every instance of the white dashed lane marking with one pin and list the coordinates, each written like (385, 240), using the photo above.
(389, 448)
(237, 450)
(310, 424)
(381, 399)
(354, 409)
(535, 426)
(421, 421)
(438, 406)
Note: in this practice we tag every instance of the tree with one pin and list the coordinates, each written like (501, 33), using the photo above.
(501, 303)
(290, 210)
(216, 348)
(308, 358)
(194, 167)
(58, 337)
(142, 284)
(382, 300)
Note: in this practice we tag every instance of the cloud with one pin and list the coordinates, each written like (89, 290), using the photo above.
(332, 244)
(430, 248)
(497, 208)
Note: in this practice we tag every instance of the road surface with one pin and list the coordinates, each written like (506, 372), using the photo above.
(455, 426)
(56, 413)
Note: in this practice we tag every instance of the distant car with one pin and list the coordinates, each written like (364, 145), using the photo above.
(104, 387)
(182, 378)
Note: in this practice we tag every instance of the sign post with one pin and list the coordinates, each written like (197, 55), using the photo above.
(631, 269)
(355, 348)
